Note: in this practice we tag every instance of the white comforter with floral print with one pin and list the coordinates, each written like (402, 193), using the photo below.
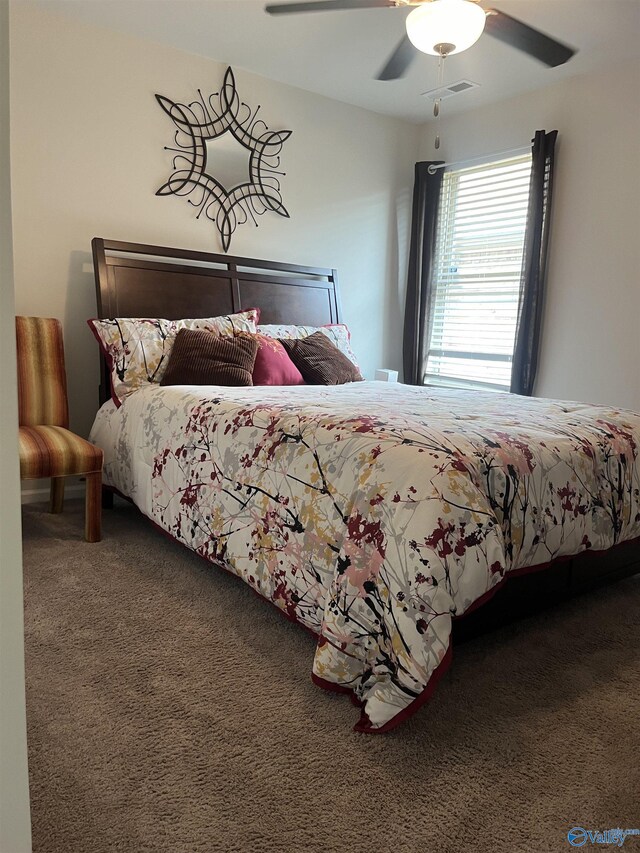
(372, 513)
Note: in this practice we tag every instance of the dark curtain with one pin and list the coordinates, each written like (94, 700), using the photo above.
(426, 197)
(534, 265)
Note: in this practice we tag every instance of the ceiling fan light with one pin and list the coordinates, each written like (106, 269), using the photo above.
(445, 22)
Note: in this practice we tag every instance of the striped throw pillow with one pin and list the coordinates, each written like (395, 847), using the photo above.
(321, 362)
(203, 358)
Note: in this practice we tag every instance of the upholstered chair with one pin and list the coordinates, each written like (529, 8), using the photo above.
(47, 447)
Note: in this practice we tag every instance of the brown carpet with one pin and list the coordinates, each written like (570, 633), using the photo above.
(170, 709)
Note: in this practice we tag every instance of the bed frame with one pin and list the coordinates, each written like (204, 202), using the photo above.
(138, 280)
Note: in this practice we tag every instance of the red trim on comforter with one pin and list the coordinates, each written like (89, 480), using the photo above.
(364, 724)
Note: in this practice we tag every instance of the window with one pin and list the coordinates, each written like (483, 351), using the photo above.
(477, 269)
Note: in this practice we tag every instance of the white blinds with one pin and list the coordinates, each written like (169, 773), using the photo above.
(479, 244)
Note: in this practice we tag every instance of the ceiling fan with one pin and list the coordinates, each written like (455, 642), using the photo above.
(442, 28)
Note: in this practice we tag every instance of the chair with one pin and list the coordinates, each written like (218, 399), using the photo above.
(47, 447)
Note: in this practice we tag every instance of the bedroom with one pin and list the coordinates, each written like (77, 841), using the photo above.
(87, 156)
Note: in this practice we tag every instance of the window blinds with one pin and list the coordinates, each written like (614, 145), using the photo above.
(476, 285)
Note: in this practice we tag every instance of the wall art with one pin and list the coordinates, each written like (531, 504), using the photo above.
(226, 161)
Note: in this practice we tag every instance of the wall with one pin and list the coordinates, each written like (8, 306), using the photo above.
(591, 340)
(15, 827)
(90, 157)
(90, 139)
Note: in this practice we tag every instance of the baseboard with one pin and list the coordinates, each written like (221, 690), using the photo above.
(41, 494)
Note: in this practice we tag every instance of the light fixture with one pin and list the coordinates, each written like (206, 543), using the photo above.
(444, 27)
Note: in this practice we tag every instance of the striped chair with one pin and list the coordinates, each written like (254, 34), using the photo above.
(47, 447)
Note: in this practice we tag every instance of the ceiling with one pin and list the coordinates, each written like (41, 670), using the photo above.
(338, 54)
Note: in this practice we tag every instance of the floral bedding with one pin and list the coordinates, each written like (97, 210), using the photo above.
(373, 513)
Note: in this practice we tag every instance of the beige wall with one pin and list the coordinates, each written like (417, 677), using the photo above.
(591, 340)
(89, 138)
(15, 827)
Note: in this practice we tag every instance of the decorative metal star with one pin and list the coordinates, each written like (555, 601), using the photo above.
(203, 120)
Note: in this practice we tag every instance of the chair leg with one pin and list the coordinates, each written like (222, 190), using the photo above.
(56, 495)
(93, 508)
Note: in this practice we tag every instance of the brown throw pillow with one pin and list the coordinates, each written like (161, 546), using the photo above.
(320, 361)
(204, 358)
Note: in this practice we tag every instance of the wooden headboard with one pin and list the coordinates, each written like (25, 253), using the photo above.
(137, 280)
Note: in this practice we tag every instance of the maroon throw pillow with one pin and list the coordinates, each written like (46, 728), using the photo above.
(273, 366)
(204, 358)
(320, 361)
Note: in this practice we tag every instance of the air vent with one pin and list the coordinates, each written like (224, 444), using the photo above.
(449, 91)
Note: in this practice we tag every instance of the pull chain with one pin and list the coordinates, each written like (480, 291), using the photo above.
(436, 103)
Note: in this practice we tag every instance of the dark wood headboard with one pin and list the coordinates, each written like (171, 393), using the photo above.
(137, 280)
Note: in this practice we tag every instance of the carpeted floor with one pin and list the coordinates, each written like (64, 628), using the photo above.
(170, 709)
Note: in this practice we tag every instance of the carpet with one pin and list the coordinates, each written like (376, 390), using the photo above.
(171, 709)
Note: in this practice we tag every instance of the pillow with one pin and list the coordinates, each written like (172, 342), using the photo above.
(337, 333)
(273, 366)
(320, 361)
(203, 358)
(138, 349)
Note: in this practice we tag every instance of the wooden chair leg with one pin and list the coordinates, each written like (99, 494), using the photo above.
(93, 508)
(56, 495)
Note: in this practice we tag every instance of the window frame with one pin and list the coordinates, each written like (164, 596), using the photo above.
(449, 230)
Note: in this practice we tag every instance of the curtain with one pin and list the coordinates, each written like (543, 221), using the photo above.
(426, 197)
(534, 265)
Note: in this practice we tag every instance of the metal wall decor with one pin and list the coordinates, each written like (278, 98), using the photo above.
(209, 119)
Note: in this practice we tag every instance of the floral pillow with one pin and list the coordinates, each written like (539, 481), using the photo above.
(138, 349)
(337, 333)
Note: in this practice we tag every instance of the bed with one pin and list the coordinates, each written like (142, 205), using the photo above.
(373, 514)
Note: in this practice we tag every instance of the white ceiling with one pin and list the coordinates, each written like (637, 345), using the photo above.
(338, 54)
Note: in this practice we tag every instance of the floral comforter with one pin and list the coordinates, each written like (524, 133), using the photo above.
(372, 513)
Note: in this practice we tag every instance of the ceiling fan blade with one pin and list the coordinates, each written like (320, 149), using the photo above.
(523, 37)
(399, 61)
(326, 6)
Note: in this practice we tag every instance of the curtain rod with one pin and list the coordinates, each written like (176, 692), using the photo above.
(523, 149)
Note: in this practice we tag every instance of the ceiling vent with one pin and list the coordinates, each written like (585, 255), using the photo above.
(449, 91)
